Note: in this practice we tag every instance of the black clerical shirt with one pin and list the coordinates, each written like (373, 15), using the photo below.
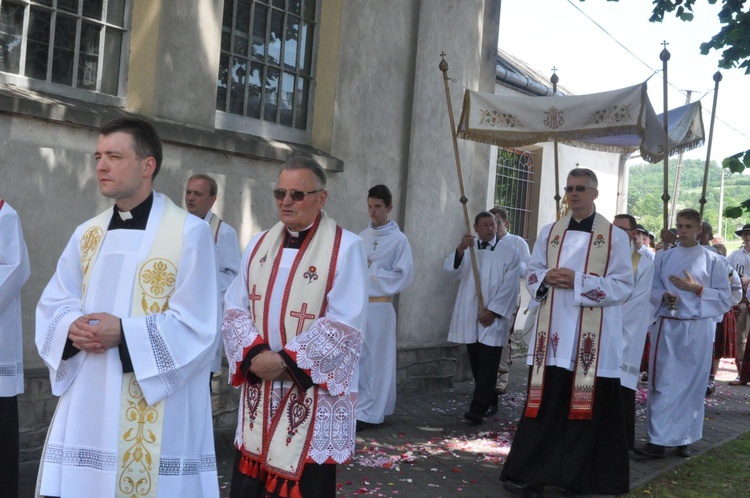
(137, 220)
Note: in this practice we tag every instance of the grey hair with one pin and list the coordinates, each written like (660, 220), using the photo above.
(308, 164)
(578, 172)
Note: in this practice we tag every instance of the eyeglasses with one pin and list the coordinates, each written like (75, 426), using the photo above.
(577, 188)
(296, 195)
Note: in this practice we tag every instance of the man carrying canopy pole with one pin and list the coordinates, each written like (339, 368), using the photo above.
(444, 68)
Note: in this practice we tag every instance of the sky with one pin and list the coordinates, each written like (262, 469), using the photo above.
(558, 33)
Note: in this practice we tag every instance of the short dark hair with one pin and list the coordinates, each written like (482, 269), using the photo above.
(593, 181)
(146, 142)
(498, 211)
(690, 214)
(381, 192)
(308, 164)
(629, 217)
(482, 214)
(213, 188)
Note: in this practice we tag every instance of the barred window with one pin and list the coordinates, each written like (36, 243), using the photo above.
(514, 188)
(265, 70)
(75, 43)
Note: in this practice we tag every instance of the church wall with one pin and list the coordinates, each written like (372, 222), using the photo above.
(434, 216)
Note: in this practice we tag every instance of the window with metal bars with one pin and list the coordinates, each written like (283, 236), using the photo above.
(514, 188)
(265, 70)
(75, 43)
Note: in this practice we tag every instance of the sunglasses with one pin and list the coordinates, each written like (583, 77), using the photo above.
(296, 195)
(577, 188)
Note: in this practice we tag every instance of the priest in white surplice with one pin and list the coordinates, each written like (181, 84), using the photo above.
(293, 332)
(690, 289)
(200, 196)
(14, 272)
(486, 332)
(127, 328)
(637, 314)
(391, 272)
(572, 432)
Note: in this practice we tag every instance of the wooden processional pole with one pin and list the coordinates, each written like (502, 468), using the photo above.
(717, 79)
(444, 68)
(664, 56)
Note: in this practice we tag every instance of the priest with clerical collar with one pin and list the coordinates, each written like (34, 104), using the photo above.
(127, 333)
(293, 332)
(572, 434)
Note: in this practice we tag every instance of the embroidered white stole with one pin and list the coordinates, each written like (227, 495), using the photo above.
(280, 441)
(590, 324)
(139, 435)
(215, 223)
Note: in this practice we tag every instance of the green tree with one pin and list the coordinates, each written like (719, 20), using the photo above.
(645, 188)
(734, 39)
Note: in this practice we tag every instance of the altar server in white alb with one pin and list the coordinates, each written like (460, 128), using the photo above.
(200, 196)
(484, 332)
(127, 328)
(14, 272)
(572, 432)
(501, 217)
(391, 272)
(637, 314)
(690, 289)
(293, 332)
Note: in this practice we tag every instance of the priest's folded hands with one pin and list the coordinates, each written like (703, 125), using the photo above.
(560, 277)
(96, 332)
(269, 366)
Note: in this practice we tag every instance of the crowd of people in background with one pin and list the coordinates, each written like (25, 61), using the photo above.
(147, 298)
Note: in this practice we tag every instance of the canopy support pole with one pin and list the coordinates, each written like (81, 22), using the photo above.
(664, 56)
(444, 68)
(554, 79)
(717, 79)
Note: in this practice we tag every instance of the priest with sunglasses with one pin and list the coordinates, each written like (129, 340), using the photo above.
(292, 330)
(572, 436)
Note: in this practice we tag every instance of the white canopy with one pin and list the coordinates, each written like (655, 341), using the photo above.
(615, 121)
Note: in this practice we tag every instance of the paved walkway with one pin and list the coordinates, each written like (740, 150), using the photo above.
(426, 449)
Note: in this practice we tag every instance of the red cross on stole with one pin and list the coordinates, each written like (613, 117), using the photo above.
(253, 297)
(301, 316)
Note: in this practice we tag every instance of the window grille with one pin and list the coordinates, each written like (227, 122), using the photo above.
(514, 187)
(265, 70)
(75, 43)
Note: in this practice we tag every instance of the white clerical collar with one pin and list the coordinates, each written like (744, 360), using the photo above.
(125, 215)
(387, 224)
(296, 234)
